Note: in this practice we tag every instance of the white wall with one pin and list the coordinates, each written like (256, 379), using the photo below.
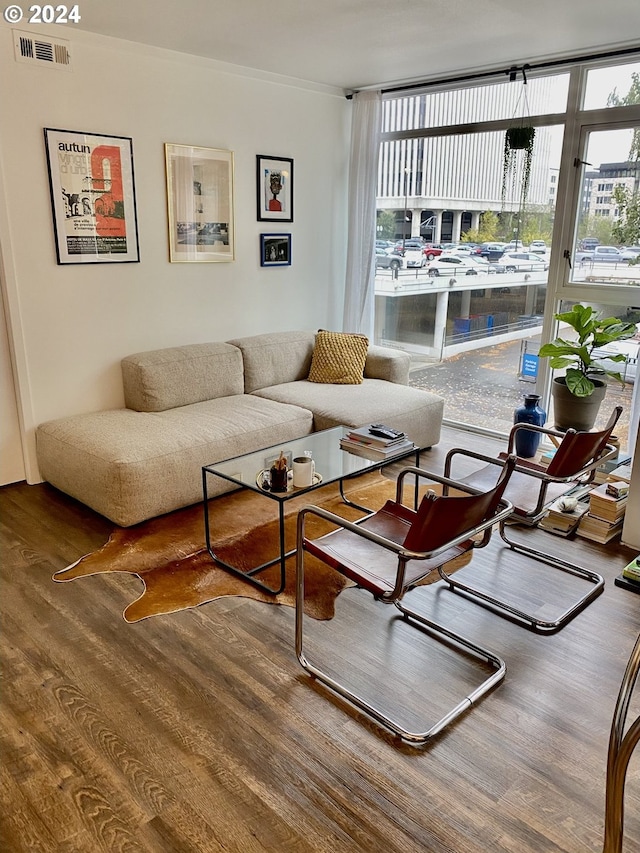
(71, 324)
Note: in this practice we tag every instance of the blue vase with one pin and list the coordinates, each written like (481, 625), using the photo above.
(529, 413)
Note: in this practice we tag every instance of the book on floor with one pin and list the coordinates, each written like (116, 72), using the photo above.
(546, 457)
(609, 507)
(632, 570)
(621, 472)
(598, 530)
(614, 469)
(617, 488)
(561, 522)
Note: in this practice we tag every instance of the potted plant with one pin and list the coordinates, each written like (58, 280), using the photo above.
(520, 138)
(578, 394)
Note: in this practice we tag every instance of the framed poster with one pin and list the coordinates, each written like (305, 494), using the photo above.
(275, 188)
(275, 250)
(92, 197)
(200, 204)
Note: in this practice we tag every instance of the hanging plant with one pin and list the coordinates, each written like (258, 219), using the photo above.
(517, 139)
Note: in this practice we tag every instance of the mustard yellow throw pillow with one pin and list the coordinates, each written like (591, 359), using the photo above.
(338, 358)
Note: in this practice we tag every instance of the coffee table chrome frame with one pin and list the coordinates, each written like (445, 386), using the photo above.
(249, 574)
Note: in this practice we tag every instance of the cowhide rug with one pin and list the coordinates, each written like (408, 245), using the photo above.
(169, 553)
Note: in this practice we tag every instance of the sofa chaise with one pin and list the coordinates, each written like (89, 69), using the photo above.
(194, 405)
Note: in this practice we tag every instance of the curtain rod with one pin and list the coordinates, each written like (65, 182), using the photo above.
(510, 72)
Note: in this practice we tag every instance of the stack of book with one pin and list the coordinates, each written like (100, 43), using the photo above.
(563, 522)
(363, 443)
(607, 504)
(621, 473)
(613, 469)
(632, 571)
(546, 456)
(630, 577)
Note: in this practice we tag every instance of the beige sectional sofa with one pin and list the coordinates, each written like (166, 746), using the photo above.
(194, 405)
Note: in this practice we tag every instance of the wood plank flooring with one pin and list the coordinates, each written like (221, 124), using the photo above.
(199, 731)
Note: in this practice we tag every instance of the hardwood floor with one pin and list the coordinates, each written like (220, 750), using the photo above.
(199, 731)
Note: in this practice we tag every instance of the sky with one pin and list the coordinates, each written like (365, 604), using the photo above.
(608, 146)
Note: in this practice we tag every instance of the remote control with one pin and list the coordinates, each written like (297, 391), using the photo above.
(385, 432)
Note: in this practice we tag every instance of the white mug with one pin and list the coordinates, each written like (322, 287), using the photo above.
(303, 470)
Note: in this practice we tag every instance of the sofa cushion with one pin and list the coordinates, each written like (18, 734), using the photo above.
(178, 376)
(417, 413)
(338, 358)
(385, 363)
(274, 358)
(131, 466)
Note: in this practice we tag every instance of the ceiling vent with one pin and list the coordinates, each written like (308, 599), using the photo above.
(41, 51)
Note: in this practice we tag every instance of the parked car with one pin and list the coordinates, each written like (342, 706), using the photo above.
(630, 253)
(587, 244)
(491, 251)
(522, 261)
(600, 254)
(451, 265)
(538, 246)
(409, 243)
(482, 265)
(385, 244)
(385, 260)
(415, 258)
(433, 250)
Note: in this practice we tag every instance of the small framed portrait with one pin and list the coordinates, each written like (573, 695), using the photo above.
(275, 188)
(275, 250)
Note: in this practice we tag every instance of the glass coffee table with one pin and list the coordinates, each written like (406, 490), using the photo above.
(332, 464)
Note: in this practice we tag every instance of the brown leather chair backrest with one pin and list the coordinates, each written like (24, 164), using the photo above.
(442, 518)
(578, 449)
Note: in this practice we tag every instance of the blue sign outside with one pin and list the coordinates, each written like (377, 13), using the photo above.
(529, 365)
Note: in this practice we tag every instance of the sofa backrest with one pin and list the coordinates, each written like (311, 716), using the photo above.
(275, 358)
(178, 376)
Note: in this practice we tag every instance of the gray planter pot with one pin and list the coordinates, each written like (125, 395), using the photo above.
(579, 413)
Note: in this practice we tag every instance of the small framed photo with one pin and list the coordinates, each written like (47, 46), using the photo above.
(275, 250)
(200, 204)
(275, 188)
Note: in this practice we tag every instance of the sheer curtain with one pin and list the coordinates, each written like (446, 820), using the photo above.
(359, 297)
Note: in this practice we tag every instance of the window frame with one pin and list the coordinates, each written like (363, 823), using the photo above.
(577, 124)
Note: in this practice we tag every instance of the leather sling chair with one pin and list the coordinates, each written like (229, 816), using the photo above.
(531, 489)
(389, 551)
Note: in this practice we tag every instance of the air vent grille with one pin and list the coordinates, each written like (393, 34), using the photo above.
(41, 51)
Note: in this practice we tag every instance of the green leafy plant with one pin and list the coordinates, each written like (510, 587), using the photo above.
(594, 333)
(516, 139)
(626, 229)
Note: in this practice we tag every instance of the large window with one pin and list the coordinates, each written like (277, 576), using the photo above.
(605, 248)
(474, 327)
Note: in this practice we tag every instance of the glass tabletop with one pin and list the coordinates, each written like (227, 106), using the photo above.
(332, 463)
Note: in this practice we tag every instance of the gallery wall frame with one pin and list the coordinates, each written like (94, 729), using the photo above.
(200, 204)
(93, 200)
(275, 250)
(274, 184)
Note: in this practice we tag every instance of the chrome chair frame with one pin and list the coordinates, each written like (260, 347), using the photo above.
(394, 596)
(550, 488)
(621, 747)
